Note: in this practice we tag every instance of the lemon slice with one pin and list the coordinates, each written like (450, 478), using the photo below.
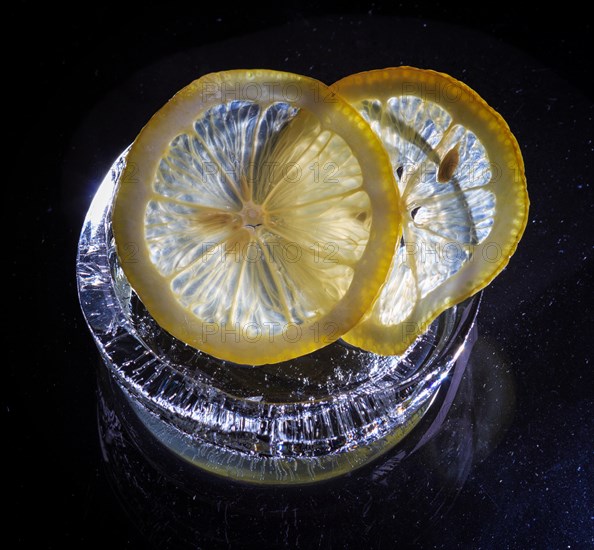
(463, 197)
(256, 216)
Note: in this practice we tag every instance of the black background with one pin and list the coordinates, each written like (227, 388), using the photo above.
(79, 87)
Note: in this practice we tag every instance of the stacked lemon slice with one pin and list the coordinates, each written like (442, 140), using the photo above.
(269, 215)
(463, 197)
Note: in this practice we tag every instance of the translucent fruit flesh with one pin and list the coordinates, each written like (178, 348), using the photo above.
(261, 210)
(462, 190)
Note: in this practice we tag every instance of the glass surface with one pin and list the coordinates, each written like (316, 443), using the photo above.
(300, 421)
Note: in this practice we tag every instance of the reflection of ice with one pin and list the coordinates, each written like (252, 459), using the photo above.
(300, 421)
(402, 497)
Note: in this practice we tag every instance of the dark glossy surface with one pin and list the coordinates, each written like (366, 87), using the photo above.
(517, 473)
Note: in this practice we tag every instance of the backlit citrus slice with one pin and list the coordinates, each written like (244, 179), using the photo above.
(463, 197)
(256, 216)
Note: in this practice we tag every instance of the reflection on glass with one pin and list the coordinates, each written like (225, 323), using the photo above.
(402, 496)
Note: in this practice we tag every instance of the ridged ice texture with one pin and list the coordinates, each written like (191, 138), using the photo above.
(321, 405)
(303, 185)
(445, 217)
